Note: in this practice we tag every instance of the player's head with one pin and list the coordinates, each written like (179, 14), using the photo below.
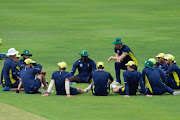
(29, 62)
(62, 65)
(16, 59)
(118, 43)
(84, 56)
(131, 65)
(169, 59)
(149, 64)
(26, 54)
(12, 52)
(160, 57)
(154, 61)
(100, 65)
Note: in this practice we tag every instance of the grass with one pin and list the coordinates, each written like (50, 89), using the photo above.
(58, 30)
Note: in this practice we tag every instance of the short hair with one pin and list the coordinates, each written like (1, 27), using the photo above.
(100, 67)
(62, 68)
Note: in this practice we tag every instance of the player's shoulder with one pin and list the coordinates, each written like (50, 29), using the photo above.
(56, 72)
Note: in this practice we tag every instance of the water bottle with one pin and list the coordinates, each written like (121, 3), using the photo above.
(72, 83)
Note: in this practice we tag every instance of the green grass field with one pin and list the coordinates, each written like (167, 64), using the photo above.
(57, 30)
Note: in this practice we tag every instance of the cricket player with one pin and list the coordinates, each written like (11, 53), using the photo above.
(10, 79)
(26, 55)
(173, 72)
(123, 54)
(161, 62)
(30, 83)
(155, 85)
(85, 66)
(132, 79)
(101, 81)
(62, 82)
(161, 72)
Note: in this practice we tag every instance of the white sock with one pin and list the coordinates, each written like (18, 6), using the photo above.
(113, 86)
(87, 89)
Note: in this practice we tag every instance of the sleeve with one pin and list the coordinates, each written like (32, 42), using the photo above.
(75, 65)
(126, 50)
(36, 71)
(142, 84)
(21, 65)
(93, 66)
(171, 69)
(126, 82)
(68, 76)
(53, 76)
(14, 72)
(36, 65)
(115, 50)
(163, 76)
(110, 77)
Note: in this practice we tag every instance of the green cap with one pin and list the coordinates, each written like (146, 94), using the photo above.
(117, 41)
(26, 52)
(84, 53)
(149, 64)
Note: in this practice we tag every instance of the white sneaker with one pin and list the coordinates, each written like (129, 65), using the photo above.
(176, 93)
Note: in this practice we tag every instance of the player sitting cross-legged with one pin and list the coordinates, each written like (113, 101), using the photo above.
(62, 82)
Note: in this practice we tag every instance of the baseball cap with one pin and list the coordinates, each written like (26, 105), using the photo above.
(26, 52)
(117, 41)
(130, 63)
(28, 61)
(12, 51)
(152, 60)
(169, 57)
(149, 64)
(62, 65)
(161, 55)
(100, 64)
(84, 53)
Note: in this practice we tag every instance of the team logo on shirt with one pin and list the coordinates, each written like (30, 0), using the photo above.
(81, 65)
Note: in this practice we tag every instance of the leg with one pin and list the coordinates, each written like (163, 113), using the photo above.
(116, 89)
(75, 79)
(169, 90)
(117, 69)
(80, 91)
(43, 80)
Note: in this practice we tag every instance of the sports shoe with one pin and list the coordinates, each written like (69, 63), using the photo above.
(176, 93)
(6, 89)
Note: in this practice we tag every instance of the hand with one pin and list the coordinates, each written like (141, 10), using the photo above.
(46, 94)
(109, 58)
(148, 95)
(118, 60)
(126, 96)
(69, 96)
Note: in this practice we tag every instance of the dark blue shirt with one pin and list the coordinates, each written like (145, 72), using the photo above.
(162, 66)
(60, 78)
(126, 50)
(132, 80)
(9, 72)
(22, 64)
(162, 75)
(28, 78)
(174, 72)
(84, 69)
(101, 84)
(152, 77)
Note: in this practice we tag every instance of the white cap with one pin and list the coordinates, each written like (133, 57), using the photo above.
(12, 51)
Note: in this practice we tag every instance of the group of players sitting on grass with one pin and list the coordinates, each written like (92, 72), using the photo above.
(156, 78)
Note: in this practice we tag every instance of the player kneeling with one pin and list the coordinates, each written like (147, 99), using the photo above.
(131, 80)
(101, 81)
(62, 82)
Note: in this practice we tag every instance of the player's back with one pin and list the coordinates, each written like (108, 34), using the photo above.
(132, 78)
(101, 85)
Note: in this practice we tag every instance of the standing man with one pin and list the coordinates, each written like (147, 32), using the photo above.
(132, 79)
(85, 66)
(30, 83)
(26, 55)
(161, 62)
(101, 81)
(155, 85)
(123, 54)
(62, 82)
(10, 78)
(173, 72)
